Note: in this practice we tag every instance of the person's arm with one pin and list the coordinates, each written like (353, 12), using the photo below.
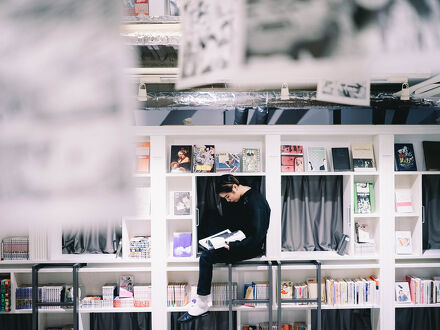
(260, 221)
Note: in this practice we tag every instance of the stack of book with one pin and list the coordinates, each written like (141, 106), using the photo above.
(142, 296)
(140, 247)
(108, 294)
(291, 290)
(178, 294)
(5, 295)
(123, 302)
(91, 302)
(15, 248)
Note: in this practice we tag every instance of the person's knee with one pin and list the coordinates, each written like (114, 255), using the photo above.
(206, 258)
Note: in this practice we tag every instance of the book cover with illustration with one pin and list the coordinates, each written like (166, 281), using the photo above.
(182, 245)
(364, 197)
(403, 242)
(363, 157)
(405, 157)
(251, 160)
(181, 202)
(181, 158)
(292, 158)
(126, 286)
(227, 162)
(316, 159)
(204, 159)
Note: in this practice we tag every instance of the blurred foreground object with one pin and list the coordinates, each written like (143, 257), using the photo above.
(300, 42)
(64, 120)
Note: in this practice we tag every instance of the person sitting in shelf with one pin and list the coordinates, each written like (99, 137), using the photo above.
(252, 218)
(182, 163)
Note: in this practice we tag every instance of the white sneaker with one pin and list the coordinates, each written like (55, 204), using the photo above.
(200, 305)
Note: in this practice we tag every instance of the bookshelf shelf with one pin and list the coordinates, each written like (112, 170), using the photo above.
(416, 305)
(162, 269)
(115, 310)
(366, 215)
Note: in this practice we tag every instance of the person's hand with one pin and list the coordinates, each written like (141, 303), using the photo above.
(227, 246)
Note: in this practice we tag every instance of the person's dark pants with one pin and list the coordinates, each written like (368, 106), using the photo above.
(211, 257)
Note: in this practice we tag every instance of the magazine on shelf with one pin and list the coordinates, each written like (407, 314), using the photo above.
(403, 295)
(341, 159)
(403, 201)
(292, 158)
(316, 159)
(204, 159)
(227, 162)
(363, 197)
(250, 160)
(403, 242)
(182, 245)
(180, 203)
(217, 241)
(181, 158)
(405, 157)
(363, 157)
(142, 157)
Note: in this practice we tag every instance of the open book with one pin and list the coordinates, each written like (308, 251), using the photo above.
(219, 240)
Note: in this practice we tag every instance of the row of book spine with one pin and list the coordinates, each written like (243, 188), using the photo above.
(424, 291)
(140, 247)
(178, 294)
(15, 248)
(352, 291)
(23, 296)
(220, 293)
(5, 295)
(256, 290)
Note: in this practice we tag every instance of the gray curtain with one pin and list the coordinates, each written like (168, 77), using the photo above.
(120, 321)
(93, 238)
(311, 212)
(345, 319)
(431, 203)
(417, 318)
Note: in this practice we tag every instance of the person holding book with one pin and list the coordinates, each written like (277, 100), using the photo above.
(251, 216)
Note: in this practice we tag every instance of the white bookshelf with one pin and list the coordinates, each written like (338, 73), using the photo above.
(162, 268)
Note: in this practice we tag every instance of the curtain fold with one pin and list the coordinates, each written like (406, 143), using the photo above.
(93, 238)
(312, 211)
(417, 318)
(120, 321)
(15, 321)
(344, 319)
(214, 321)
(431, 203)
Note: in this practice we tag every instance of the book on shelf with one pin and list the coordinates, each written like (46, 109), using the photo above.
(15, 248)
(126, 283)
(218, 241)
(286, 290)
(405, 157)
(403, 242)
(312, 286)
(363, 157)
(341, 159)
(403, 201)
(180, 203)
(250, 160)
(142, 157)
(364, 198)
(178, 294)
(292, 158)
(5, 294)
(227, 162)
(403, 295)
(204, 158)
(182, 245)
(431, 150)
(284, 326)
(316, 159)
(181, 158)
(362, 233)
(423, 290)
(220, 293)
